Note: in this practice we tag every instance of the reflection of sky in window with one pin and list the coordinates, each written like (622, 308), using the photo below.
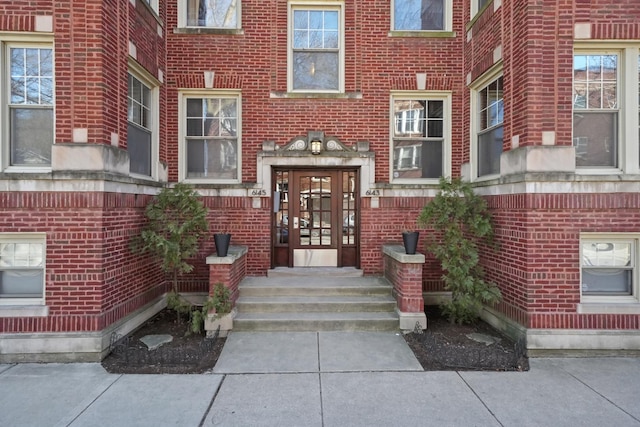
(595, 81)
(21, 255)
(221, 14)
(416, 15)
(31, 76)
(212, 117)
(314, 29)
(606, 254)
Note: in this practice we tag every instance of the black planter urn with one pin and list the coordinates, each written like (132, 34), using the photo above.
(410, 240)
(222, 243)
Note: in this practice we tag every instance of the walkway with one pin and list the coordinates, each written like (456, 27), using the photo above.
(325, 380)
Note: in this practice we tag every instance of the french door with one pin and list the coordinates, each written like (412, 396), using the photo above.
(315, 218)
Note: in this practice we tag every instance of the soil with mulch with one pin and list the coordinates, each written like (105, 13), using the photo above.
(185, 354)
(446, 346)
(442, 346)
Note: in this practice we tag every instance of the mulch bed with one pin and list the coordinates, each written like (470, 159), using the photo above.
(441, 347)
(186, 354)
(444, 346)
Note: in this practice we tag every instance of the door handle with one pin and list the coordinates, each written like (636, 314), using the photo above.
(295, 222)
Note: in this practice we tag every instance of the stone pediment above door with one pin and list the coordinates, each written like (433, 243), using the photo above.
(315, 143)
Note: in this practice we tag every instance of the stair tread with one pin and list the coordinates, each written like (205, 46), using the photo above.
(317, 299)
(315, 316)
(314, 282)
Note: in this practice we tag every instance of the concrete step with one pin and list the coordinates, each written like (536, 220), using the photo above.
(314, 272)
(316, 302)
(319, 321)
(313, 286)
(336, 304)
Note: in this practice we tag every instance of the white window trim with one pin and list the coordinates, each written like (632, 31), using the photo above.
(26, 238)
(628, 143)
(480, 83)
(23, 40)
(320, 5)
(182, 17)
(183, 95)
(613, 304)
(154, 85)
(448, 19)
(445, 97)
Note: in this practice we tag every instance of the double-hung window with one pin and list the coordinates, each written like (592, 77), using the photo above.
(316, 48)
(606, 108)
(29, 129)
(596, 109)
(489, 105)
(222, 14)
(211, 134)
(609, 268)
(420, 135)
(421, 15)
(22, 269)
(140, 127)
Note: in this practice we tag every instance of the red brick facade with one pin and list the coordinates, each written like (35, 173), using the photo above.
(89, 214)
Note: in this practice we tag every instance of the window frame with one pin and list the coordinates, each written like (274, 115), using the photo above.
(446, 98)
(39, 238)
(137, 72)
(322, 6)
(476, 8)
(183, 96)
(607, 238)
(628, 112)
(447, 20)
(495, 73)
(22, 40)
(183, 19)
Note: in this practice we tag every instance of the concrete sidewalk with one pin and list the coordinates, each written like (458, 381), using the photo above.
(324, 379)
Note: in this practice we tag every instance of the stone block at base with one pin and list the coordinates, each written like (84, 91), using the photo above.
(225, 322)
(408, 321)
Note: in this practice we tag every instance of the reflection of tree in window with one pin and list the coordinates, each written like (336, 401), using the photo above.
(316, 43)
(212, 13)
(31, 106)
(212, 137)
(419, 15)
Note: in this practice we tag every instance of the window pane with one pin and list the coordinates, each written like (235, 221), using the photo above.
(616, 276)
(21, 255)
(595, 138)
(212, 158)
(606, 281)
(31, 136)
(432, 156)
(21, 284)
(606, 254)
(315, 70)
(31, 76)
(139, 148)
(595, 81)
(418, 15)
(489, 151)
(215, 14)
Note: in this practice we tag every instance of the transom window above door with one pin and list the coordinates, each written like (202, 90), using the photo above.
(316, 49)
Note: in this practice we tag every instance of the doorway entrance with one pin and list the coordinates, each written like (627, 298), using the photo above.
(315, 218)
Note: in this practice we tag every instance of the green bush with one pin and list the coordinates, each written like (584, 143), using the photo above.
(177, 220)
(461, 221)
